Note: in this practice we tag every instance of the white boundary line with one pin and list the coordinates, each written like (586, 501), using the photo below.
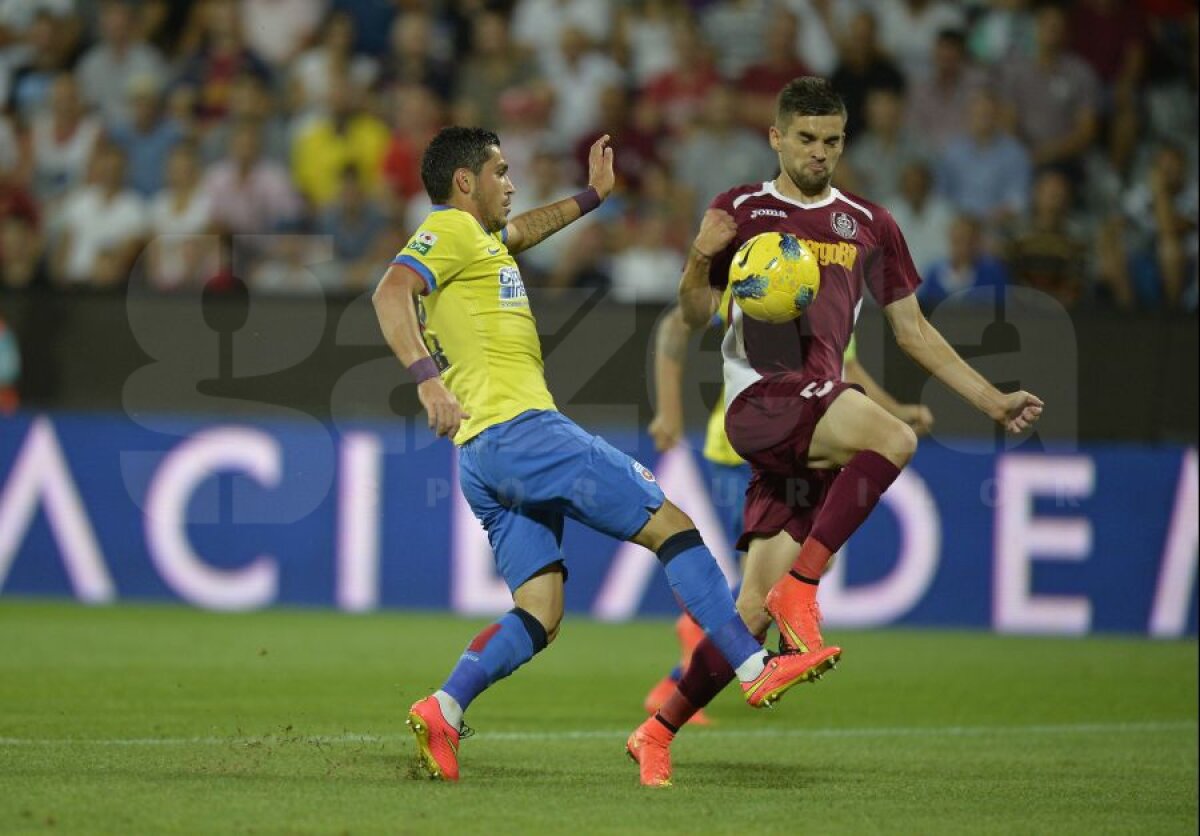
(602, 734)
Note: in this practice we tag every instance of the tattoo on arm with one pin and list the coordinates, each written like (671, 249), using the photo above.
(537, 225)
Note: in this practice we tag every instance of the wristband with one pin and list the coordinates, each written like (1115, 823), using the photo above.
(423, 369)
(587, 200)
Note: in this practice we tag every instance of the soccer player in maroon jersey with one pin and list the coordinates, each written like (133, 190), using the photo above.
(822, 453)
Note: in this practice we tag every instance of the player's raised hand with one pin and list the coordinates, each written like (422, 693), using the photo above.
(1021, 411)
(666, 430)
(443, 409)
(600, 167)
(717, 229)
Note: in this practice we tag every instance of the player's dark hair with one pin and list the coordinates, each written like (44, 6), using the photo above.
(807, 96)
(454, 148)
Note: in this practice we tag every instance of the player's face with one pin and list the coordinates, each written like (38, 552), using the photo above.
(809, 149)
(493, 192)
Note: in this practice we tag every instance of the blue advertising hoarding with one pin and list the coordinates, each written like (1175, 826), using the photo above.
(222, 515)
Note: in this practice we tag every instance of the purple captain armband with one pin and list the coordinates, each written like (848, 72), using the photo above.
(424, 369)
(587, 200)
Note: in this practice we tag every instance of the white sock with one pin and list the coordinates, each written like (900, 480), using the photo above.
(451, 710)
(752, 667)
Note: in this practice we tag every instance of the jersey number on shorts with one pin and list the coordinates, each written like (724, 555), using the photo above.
(816, 389)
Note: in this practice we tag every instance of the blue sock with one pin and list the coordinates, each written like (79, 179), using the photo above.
(699, 585)
(496, 652)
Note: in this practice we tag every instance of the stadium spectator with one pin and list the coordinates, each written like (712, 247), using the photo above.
(823, 27)
(938, 105)
(51, 51)
(985, 172)
(680, 92)
(577, 74)
(100, 225)
(877, 157)
(249, 100)
(418, 117)
(965, 269)
(147, 138)
(10, 148)
(348, 135)
(372, 21)
(642, 37)
(360, 233)
(740, 27)
(648, 266)
(417, 57)
(1004, 30)
(761, 81)
(910, 29)
(1053, 97)
(292, 265)
(120, 56)
(220, 57)
(333, 57)
(493, 71)
(745, 156)
(1049, 251)
(538, 25)
(181, 251)
(62, 136)
(10, 369)
(923, 216)
(636, 133)
(248, 192)
(863, 67)
(276, 30)
(22, 250)
(1161, 232)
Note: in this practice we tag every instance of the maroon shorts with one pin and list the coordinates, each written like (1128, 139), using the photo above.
(771, 425)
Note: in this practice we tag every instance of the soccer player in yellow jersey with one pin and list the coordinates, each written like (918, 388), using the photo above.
(453, 308)
(729, 478)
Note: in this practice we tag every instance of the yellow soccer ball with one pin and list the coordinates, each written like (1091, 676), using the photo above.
(774, 277)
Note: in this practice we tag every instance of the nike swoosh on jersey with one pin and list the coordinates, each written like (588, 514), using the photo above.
(493, 251)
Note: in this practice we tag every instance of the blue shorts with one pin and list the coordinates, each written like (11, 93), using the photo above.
(522, 478)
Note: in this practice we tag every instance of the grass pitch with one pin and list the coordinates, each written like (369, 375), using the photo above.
(168, 720)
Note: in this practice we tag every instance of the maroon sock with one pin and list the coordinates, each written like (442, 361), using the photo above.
(704, 678)
(853, 495)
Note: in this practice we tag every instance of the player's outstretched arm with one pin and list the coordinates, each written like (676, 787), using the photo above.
(914, 414)
(537, 225)
(393, 301)
(922, 342)
(670, 359)
(698, 299)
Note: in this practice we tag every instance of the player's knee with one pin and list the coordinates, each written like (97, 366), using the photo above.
(897, 443)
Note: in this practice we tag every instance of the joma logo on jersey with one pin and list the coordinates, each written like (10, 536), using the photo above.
(841, 253)
(512, 289)
(774, 213)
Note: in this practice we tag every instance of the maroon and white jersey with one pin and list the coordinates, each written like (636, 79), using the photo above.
(856, 242)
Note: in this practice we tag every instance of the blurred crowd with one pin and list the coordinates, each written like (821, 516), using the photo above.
(167, 145)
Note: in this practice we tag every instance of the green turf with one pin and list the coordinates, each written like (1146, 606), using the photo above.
(158, 720)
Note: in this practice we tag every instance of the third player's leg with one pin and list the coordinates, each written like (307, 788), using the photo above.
(853, 423)
(768, 560)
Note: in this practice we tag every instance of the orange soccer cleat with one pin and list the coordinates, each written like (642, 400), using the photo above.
(650, 748)
(437, 740)
(793, 606)
(784, 670)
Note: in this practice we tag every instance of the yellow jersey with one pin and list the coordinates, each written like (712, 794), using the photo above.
(717, 448)
(475, 319)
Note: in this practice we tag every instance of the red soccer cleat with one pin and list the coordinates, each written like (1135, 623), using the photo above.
(796, 612)
(437, 740)
(650, 748)
(784, 670)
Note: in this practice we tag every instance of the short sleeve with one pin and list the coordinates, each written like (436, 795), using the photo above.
(891, 275)
(431, 253)
(718, 271)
